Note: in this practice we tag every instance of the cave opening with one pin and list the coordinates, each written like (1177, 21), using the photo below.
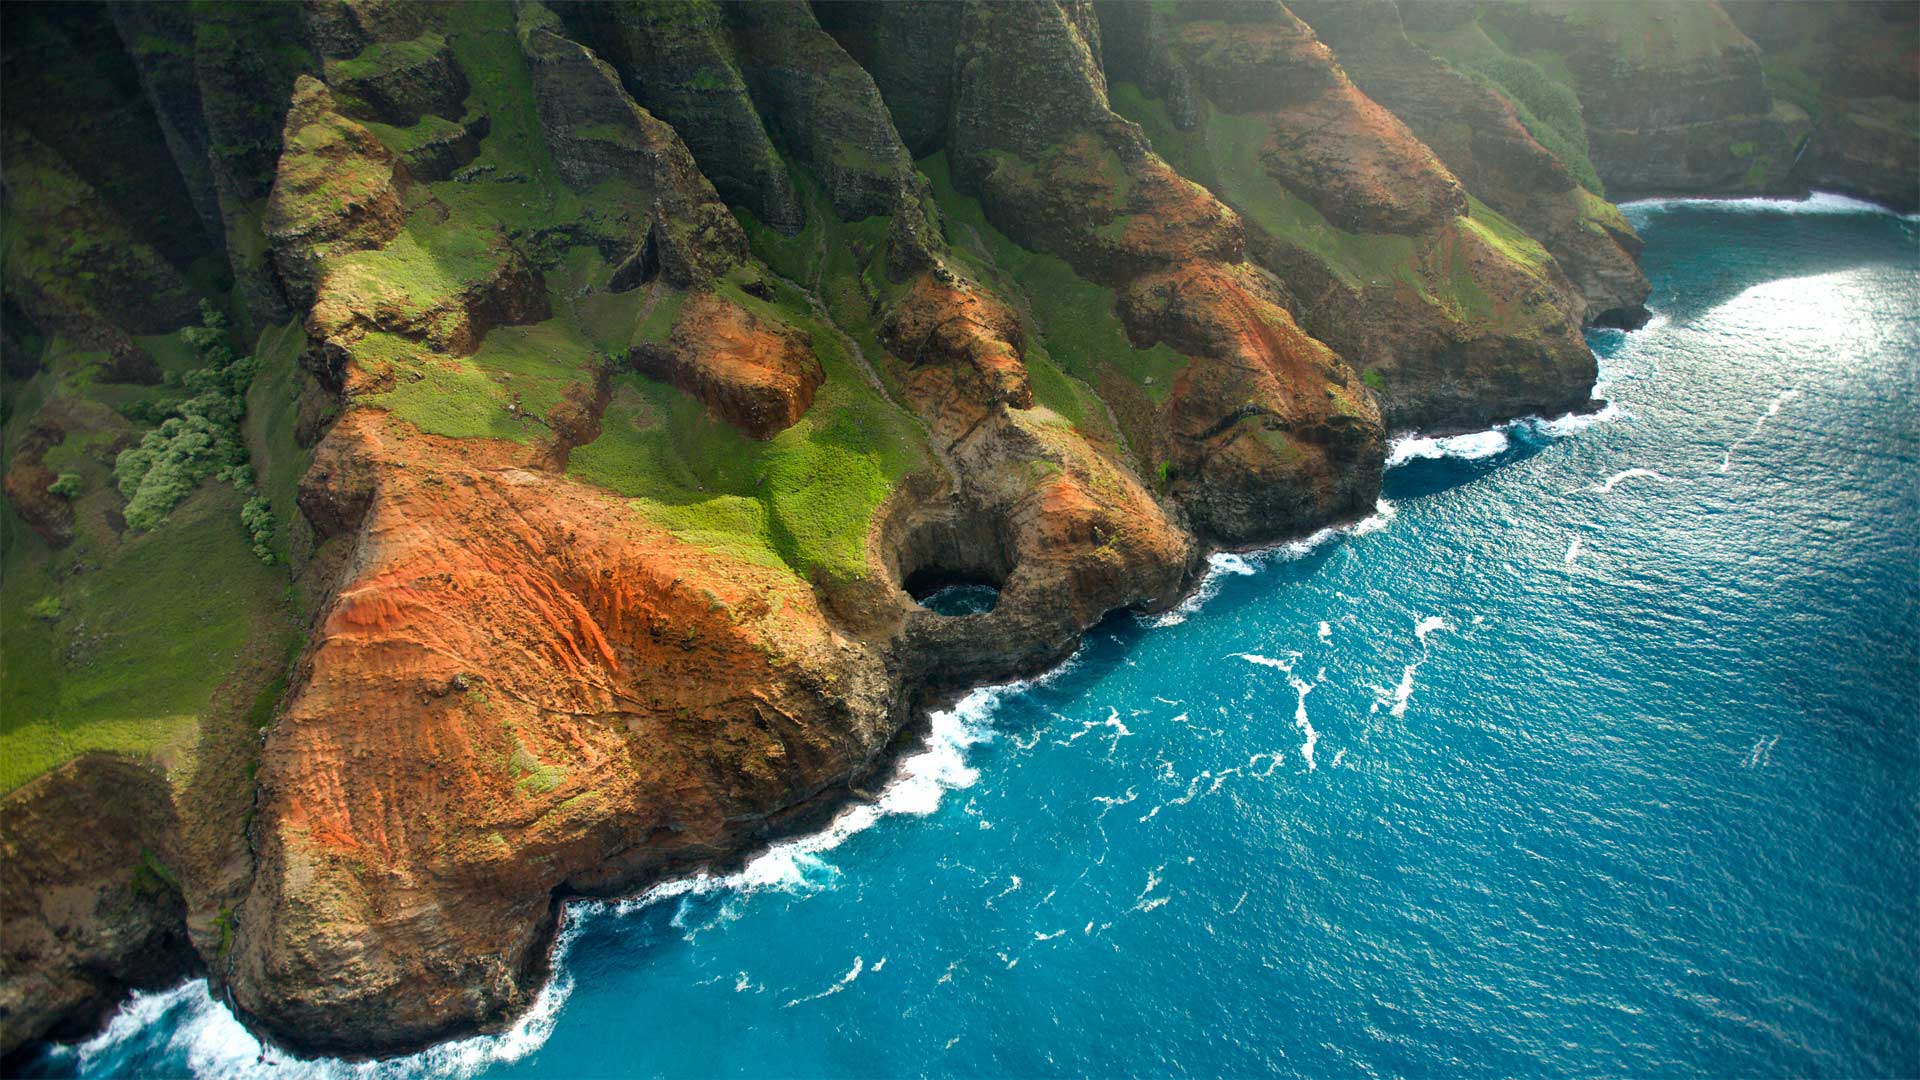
(953, 594)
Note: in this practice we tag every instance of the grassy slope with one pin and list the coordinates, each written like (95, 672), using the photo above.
(802, 500)
(1538, 86)
(1224, 153)
(1079, 333)
(272, 402)
(119, 642)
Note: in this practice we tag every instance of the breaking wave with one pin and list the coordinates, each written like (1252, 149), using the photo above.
(1494, 441)
(1819, 202)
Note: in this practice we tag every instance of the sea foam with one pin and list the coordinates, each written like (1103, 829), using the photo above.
(1496, 440)
(1819, 202)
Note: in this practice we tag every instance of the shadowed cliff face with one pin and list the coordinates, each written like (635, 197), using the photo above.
(1454, 315)
(624, 364)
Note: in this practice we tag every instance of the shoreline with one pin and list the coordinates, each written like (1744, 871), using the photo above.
(923, 755)
(816, 823)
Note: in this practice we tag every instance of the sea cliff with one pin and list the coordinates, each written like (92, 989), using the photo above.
(463, 457)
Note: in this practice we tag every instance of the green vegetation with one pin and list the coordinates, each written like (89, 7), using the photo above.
(529, 774)
(273, 405)
(802, 500)
(151, 876)
(1644, 31)
(502, 391)
(200, 439)
(120, 645)
(422, 273)
(1600, 214)
(1505, 236)
(1078, 338)
(1224, 152)
(380, 57)
(66, 485)
(1539, 88)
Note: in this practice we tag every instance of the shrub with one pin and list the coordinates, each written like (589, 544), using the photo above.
(201, 436)
(257, 516)
(66, 485)
(47, 607)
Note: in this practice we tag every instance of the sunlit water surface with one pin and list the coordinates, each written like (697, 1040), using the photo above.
(1597, 753)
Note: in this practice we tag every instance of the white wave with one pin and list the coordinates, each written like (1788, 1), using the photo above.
(217, 1047)
(1470, 447)
(1397, 698)
(1337, 755)
(1038, 936)
(1013, 888)
(918, 784)
(1573, 551)
(1819, 202)
(1383, 512)
(1223, 563)
(1284, 664)
(1762, 752)
(1326, 631)
(1112, 722)
(1773, 409)
(1606, 487)
(1220, 564)
(1303, 688)
(858, 966)
(1496, 440)
(1108, 802)
(1404, 691)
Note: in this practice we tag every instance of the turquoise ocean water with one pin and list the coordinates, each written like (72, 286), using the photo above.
(1597, 751)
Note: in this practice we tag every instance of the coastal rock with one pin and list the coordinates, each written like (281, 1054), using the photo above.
(1673, 94)
(86, 922)
(756, 374)
(1456, 318)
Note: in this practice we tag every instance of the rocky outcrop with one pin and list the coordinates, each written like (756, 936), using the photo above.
(554, 704)
(598, 134)
(1456, 318)
(1476, 131)
(1673, 94)
(679, 64)
(910, 50)
(755, 374)
(337, 189)
(86, 922)
(822, 108)
(1856, 69)
(75, 267)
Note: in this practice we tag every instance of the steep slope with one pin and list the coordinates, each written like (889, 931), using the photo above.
(1855, 69)
(1476, 129)
(1455, 316)
(1673, 95)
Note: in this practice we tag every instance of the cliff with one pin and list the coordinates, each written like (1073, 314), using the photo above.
(460, 457)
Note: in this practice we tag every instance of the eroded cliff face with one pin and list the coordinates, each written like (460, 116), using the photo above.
(630, 369)
(1453, 314)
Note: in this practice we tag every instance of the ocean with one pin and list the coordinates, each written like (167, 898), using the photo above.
(1596, 751)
